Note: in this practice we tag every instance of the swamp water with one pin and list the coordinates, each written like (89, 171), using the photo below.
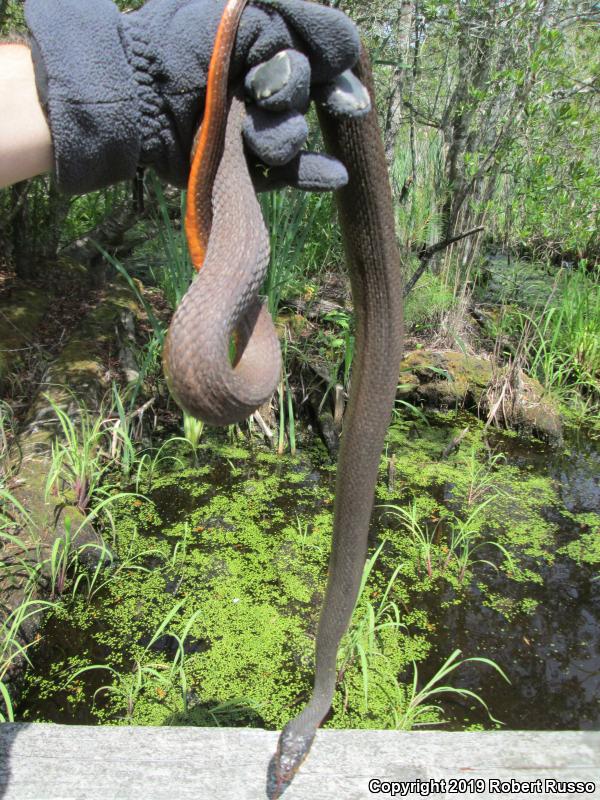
(242, 541)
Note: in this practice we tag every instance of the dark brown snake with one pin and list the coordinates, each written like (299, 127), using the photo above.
(230, 247)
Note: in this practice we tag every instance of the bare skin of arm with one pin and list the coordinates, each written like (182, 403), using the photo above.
(25, 143)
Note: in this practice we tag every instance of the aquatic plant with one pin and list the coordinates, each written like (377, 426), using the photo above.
(78, 459)
(464, 541)
(480, 474)
(286, 407)
(368, 621)
(148, 464)
(12, 648)
(422, 535)
(145, 673)
(192, 431)
(564, 348)
(108, 568)
(303, 535)
(415, 709)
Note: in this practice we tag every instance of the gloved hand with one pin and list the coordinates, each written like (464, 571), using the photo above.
(121, 90)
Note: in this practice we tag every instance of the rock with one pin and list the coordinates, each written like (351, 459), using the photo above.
(533, 411)
(446, 379)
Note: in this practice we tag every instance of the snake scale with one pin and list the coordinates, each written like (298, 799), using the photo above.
(230, 247)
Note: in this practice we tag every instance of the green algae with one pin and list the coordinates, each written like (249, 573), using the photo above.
(586, 549)
(242, 541)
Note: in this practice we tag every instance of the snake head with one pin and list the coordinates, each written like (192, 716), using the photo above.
(292, 749)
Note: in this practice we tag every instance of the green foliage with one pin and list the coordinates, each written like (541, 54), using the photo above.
(175, 272)
(416, 708)
(12, 17)
(426, 306)
(370, 620)
(192, 431)
(564, 349)
(12, 647)
(300, 230)
(147, 675)
(77, 459)
(248, 564)
(418, 217)
(342, 341)
(550, 200)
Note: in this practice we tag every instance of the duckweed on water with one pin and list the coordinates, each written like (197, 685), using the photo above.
(241, 543)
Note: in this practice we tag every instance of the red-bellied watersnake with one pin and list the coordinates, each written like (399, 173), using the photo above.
(229, 246)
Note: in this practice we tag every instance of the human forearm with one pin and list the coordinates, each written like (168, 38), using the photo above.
(25, 143)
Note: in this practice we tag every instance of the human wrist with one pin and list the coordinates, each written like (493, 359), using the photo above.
(25, 141)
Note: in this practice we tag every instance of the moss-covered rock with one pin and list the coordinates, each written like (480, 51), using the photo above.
(21, 311)
(452, 380)
(445, 379)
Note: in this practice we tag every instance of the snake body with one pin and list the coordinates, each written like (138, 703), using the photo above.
(222, 302)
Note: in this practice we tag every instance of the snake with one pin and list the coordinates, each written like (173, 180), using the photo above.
(222, 356)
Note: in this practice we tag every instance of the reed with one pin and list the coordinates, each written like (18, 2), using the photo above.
(77, 459)
(564, 351)
(369, 620)
(12, 648)
(417, 709)
(146, 673)
(298, 224)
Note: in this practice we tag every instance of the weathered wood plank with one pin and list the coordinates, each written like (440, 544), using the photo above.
(63, 762)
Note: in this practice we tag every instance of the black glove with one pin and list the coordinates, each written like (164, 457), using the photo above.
(127, 89)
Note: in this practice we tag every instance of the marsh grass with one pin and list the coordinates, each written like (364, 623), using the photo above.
(465, 541)
(149, 674)
(300, 225)
(77, 459)
(481, 474)
(369, 620)
(564, 350)
(303, 536)
(416, 709)
(175, 273)
(149, 462)
(89, 582)
(11, 647)
(69, 559)
(418, 216)
(423, 535)
(464, 537)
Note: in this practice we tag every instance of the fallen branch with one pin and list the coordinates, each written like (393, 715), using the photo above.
(426, 254)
